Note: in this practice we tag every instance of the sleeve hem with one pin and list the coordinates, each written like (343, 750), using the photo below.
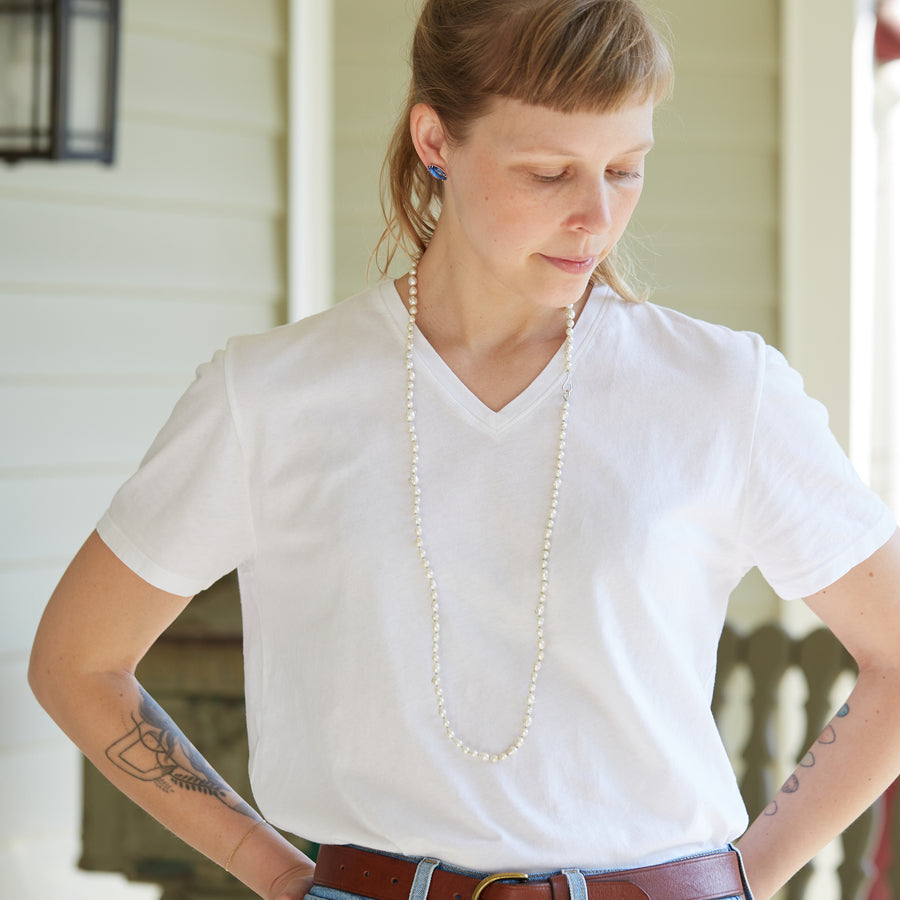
(825, 575)
(141, 564)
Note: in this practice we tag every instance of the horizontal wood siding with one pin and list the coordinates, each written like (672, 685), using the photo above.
(370, 82)
(115, 283)
(708, 223)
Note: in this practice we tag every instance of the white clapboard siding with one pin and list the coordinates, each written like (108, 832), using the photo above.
(115, 283)
(55, 511)
(223, 84)
(20, 707)
(709, 218)
(729, 31)
(247, 24)
(137, 337)
(81, 423)
(20, 619)
(52, 803)
(158, 168)
(370, 82)
(107, 246)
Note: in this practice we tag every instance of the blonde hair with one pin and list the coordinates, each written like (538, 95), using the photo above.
(569, 55)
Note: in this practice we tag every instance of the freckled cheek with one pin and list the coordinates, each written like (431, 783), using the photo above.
(504, 214)
(624, 213)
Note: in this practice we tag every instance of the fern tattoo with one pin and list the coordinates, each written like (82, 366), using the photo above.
(156, 750)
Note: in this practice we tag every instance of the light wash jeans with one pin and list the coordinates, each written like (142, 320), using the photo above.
(426, 867)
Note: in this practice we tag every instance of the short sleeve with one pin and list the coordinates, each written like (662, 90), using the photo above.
(183, 519)
(809, 518)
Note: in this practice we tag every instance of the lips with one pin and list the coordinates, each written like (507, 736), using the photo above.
(577, 265)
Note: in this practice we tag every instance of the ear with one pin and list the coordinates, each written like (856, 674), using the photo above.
(428, 135)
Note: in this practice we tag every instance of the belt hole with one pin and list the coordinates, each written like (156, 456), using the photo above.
(366, 874)
(395, 880)
(457, 897)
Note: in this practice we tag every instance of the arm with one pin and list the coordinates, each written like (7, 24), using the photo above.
(857, 756)
(100, 621)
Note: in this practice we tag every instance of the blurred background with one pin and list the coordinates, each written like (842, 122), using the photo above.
(243, 192)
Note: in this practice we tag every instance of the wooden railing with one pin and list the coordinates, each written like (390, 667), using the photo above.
(770, 685)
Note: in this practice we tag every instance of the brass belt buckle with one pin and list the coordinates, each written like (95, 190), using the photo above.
(500, 876)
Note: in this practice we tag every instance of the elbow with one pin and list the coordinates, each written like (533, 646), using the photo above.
(52, 673)
(41, 675)
(881, 681)
(885, 671)
(63, 676)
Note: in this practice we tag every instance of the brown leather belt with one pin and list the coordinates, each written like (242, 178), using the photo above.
(376, 875)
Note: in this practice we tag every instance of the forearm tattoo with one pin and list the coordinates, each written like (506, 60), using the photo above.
(156, 750)
(793, 784)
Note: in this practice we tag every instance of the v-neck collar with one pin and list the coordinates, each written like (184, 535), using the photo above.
(455, 390)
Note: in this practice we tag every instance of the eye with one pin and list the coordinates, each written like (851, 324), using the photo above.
(626, 174)
(549, 177)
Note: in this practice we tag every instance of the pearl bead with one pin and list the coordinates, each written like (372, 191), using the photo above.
(568, 352)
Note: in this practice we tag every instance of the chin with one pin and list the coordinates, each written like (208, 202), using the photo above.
(559, 296)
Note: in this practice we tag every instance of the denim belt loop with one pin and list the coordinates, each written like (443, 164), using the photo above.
(422, 879)
(577, 884)
(748, 894)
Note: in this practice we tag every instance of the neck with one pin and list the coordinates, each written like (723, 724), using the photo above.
(463, 310)
(495, 343)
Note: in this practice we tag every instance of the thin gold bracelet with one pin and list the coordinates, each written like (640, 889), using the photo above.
(241, 841)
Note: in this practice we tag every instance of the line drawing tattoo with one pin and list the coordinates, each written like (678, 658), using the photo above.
(156, 750)
(792, 785)
(829, 736)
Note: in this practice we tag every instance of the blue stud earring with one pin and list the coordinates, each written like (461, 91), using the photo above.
(438, 173)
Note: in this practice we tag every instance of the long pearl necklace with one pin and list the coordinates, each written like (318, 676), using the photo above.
(420, 545)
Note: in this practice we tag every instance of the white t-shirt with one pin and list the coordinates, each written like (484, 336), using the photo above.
(693, 455)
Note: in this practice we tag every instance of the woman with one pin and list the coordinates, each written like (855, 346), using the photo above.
(486, 520)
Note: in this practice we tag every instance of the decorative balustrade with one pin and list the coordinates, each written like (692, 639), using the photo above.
(773, 696)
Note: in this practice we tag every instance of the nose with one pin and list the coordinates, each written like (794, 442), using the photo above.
(592, 209)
